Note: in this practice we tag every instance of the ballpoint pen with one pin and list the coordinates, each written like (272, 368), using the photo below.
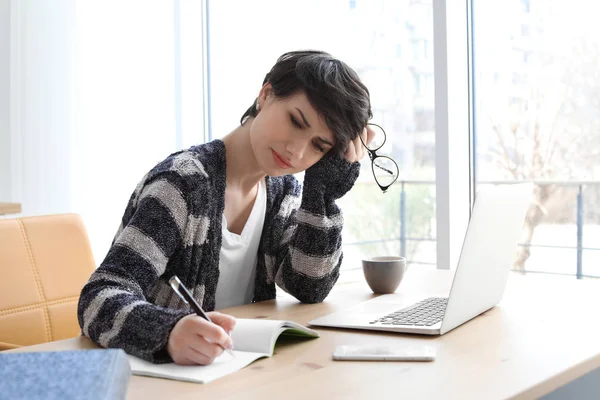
(187, 297)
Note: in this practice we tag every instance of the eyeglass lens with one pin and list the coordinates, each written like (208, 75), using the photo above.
(379, 138)
(385, 170)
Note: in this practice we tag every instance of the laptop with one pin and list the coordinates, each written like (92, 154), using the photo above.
(486, 256)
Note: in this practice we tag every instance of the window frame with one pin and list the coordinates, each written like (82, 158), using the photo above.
(453, 127)
(454, 174)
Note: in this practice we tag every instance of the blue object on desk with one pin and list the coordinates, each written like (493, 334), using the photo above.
(72, 374)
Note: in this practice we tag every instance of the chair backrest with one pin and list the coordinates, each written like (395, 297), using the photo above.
(44, 263)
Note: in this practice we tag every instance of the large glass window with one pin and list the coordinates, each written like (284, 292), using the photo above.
(537, 117)
(390, 44)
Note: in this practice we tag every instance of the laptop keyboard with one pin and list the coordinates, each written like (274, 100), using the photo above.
(424, 313)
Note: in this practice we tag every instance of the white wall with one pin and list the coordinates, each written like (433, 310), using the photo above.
(5, 192)
(90, 91)
(41, 104)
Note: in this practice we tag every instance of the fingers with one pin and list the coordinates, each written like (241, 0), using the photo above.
(355, 150)
(202, 353)
(213, 333)
(193, 340)
(351, 151)
(370, 135)
(227, 322)
(366, 140)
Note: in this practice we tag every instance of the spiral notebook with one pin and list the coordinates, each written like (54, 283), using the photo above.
(253, 339)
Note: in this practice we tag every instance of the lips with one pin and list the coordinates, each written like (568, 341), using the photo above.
(280, 161)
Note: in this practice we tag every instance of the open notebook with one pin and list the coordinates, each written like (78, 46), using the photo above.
(253, 339)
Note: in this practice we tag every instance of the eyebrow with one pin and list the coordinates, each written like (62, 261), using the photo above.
(325, 141)
(303, 117)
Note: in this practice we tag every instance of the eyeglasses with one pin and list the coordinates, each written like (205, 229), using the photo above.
(385, 170)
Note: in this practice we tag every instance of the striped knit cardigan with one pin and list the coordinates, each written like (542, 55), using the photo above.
(172, 226)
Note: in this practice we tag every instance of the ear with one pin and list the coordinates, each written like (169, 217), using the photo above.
(265, 94)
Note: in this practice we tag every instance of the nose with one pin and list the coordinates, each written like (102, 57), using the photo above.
(296, 148)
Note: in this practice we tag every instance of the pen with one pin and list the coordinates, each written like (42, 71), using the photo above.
(187, 297)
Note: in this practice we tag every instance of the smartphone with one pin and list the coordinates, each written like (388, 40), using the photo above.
(379, 352)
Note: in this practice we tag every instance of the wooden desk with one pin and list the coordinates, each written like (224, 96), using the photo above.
(10, 208)
(521, 349)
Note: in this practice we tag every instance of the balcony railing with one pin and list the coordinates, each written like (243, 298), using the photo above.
(403, 238)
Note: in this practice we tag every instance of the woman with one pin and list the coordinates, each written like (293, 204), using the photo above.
(231, 221)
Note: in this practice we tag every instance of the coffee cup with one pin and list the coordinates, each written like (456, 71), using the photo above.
(384, 273)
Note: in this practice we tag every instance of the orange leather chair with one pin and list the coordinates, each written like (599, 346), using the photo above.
(44, 263)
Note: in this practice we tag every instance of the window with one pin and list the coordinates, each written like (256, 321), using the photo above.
(537, 100)
(368, 36)
(156, 90)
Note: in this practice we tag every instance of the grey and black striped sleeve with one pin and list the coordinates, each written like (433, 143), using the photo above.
(113, 309)
(309, 253)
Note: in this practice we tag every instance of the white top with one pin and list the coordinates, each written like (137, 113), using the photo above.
(237, 261)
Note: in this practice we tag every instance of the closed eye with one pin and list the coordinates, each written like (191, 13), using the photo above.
(295, 121)
(318, 146)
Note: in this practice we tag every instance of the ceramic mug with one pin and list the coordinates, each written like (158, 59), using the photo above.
(384, 274)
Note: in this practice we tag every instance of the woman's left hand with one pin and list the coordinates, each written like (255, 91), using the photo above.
(355, 150)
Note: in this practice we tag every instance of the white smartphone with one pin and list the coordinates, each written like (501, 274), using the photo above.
(379, 352)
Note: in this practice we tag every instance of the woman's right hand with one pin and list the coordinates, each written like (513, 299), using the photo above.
(194, 340)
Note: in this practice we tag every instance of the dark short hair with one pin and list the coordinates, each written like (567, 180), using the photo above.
(332, 88)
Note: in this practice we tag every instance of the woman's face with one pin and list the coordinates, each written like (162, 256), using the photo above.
(288, 135)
